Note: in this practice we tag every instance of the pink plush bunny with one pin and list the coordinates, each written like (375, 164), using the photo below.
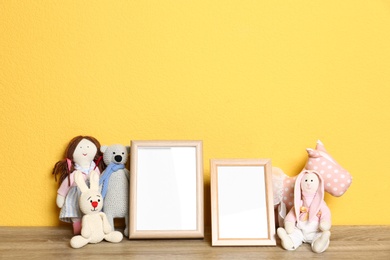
(309, 221)
(336, 179)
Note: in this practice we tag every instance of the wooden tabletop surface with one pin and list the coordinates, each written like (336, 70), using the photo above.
(347, 242)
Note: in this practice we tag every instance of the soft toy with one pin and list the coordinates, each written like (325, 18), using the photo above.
(336, 179)
(82, 154)
(95, 226)
(115, 183)
(309, 220)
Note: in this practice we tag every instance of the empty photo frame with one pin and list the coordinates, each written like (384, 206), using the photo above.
(242, 202)
(166, 189)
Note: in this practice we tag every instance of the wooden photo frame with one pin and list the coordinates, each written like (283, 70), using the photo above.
(166, 189)
(242, 210)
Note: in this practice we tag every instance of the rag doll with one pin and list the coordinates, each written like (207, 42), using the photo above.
(82, 154)
(309, 220)
(115, 183)
(95, 226)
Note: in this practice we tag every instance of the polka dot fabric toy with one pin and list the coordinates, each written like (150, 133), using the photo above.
(288, 194)
(336, 179)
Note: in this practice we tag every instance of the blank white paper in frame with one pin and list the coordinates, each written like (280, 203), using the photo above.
(242, 213)
(171, 172)
(166, 189)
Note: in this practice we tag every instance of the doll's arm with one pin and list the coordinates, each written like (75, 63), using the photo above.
(106, 225)
(65, 187)
(60, 200)
(63, 190)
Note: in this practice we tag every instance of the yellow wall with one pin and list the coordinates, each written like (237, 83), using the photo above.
(252, 79)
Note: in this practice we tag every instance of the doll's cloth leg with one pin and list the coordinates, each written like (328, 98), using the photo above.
(287, 243)
(321, 242)
(76, 226)
(297, 238)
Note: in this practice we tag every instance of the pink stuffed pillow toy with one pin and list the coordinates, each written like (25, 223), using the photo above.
(336, 179)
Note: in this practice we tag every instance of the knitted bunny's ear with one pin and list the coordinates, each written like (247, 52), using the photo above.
(78, 178)
(94, 181)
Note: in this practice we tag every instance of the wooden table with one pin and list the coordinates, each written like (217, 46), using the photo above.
(347, 242)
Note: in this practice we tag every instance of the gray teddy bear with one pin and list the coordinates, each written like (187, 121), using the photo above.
(115, 181)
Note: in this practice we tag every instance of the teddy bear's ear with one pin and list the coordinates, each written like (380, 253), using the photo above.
(103, 148)
(128, 149)
(94, 180)
(78, 178)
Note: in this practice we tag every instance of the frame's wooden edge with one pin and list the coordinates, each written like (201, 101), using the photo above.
(215, 240)
(166, 234)
(176, 143)
(244, 242)
(270, 203)
(133, 188)
(200, 187)
(239, 162)
(214, 201)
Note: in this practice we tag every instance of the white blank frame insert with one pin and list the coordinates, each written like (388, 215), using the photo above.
(166, 189)
(242, 202)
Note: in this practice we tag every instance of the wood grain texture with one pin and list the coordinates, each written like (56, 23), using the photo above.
(347, 242)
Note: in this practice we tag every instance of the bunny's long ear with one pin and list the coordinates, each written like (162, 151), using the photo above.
(78, 178)
(94, 180)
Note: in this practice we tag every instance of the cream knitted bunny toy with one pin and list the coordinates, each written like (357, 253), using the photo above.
(95, 226)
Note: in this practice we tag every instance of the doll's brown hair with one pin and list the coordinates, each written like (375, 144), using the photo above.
(61, 167)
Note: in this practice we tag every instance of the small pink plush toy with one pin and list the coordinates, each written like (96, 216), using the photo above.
(309, 220)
